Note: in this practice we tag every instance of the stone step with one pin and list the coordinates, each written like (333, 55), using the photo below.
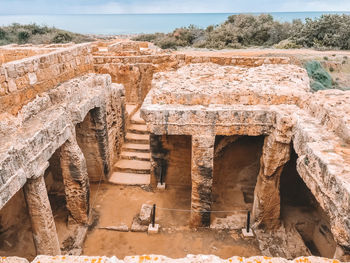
(137, 138)
(135, 147)
(136, 119)
(135, 156)
(133, 166)
(130, 178)
(138, 128)
(130, 109)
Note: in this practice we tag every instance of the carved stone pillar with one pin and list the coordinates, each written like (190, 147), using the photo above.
(76, 180)
(43, 225)
(202, 179)
(266, 207)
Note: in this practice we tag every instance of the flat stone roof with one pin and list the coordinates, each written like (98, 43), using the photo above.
(209, 83)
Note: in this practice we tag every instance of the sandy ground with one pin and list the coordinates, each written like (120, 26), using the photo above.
(119, 204)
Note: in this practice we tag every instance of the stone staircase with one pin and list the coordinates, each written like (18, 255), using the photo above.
(134, 166)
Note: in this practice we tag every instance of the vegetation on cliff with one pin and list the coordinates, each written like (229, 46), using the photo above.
(320, 78)
(35, 34)
(239, 31)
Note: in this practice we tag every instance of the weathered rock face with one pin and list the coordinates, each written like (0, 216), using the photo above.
(136, 79)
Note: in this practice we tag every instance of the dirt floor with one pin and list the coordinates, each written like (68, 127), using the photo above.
(118, 205)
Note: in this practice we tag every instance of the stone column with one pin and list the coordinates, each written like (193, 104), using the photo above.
(43, 224)
(202, 179)
(76, 180)
(266, 207)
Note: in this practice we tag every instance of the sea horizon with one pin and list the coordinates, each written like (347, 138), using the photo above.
(137, 23)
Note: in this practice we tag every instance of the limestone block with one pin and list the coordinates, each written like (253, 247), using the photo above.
(137, 227)
(12, 85)
(120, 228)
(247, 234)
(145, 214)
(153, 229)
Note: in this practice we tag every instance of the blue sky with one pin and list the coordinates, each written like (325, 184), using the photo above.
(167, 6)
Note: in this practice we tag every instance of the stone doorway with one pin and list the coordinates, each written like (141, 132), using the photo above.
(236, 167)
(299, 209)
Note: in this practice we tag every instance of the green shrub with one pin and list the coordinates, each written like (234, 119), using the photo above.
(316, 86)
(23, 37)
(32, 33)
(2, 34)
(38, 30)
(147, 37)
(287, 44)
(167, 42)
(321, 79)
(326, 32)
(330, 31)
(62, 37)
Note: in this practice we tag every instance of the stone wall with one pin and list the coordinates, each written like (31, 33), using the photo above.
(136, 78)
(29, 140)
(22, 80)
(11, 53)
(237, 61)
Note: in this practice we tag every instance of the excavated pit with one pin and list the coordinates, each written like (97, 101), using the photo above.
(80, 155)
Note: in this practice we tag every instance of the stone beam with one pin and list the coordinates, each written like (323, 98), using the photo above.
(202, 179)
(266, 207)
(76, 181)
(43, 225)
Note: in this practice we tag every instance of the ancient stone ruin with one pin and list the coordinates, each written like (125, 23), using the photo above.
(224, 136)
